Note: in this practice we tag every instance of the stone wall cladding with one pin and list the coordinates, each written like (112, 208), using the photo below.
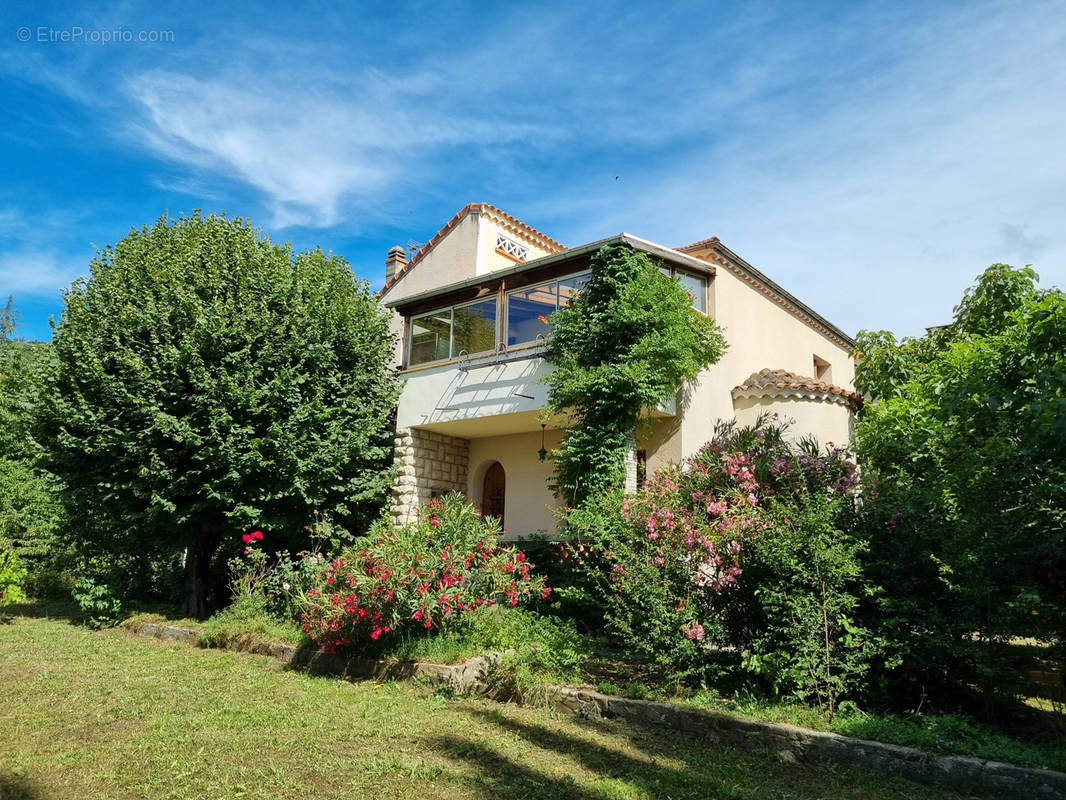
(428, 464)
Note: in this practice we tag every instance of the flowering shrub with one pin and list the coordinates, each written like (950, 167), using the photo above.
(743, 547)
(416, 577)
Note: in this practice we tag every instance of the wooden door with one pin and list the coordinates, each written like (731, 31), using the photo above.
(494, 491)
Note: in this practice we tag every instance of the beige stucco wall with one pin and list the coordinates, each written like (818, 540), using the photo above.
(829, 421)
(489, 259)
(761, 334)
(528, 503)
(452, 259)
(663, 445)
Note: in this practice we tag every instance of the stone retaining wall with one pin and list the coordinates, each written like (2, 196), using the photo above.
(460, 678)
(791, 743)
(794, 744)
(428, 465)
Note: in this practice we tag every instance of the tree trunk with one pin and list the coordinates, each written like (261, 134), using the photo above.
(198, 571)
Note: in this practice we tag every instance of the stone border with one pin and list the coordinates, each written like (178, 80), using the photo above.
(795, 744)
(465, 678)
(791, 743)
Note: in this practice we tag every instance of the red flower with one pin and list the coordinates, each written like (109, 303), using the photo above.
(257, 535)
(247, 538)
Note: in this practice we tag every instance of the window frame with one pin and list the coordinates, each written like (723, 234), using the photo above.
(451, 331)
(507, 303)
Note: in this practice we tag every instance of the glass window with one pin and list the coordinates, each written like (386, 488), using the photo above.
(430, 336)
(528, 311)
(569, 287)
(696, 286)
(474, 327)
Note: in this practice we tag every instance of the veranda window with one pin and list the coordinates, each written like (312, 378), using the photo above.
(447, 333)
(528, 309)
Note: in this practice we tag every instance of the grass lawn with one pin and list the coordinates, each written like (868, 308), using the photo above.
(105, 714)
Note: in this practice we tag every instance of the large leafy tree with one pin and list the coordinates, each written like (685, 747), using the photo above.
(966, 443)
(622, 347)
(208, 381)
(29, 511)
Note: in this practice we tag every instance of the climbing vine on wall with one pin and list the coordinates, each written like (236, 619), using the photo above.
(622, 347)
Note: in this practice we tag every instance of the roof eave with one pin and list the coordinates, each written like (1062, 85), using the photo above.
(728, 254)
(643, 245)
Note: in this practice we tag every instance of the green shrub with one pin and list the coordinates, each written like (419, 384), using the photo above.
(12, 574)
(622, 347)
(748, 548)
(98, 602)
(417, 577)
(49, 582)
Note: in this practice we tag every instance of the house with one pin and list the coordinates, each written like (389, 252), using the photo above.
(470, 316)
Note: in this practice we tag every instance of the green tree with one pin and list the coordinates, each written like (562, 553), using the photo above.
(29, 508)
(622, 347)
(208, 381)
(965, 442)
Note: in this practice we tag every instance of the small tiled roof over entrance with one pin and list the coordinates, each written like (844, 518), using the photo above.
(785, 384)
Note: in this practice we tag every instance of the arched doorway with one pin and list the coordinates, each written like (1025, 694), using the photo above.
(493, 492)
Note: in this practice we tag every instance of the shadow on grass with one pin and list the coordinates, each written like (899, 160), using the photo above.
(19, 787)
(647, 763)
(66, 610)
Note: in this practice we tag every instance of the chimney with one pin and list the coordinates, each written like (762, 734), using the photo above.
(396, 261)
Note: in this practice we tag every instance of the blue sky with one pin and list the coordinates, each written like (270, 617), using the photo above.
(871, 158)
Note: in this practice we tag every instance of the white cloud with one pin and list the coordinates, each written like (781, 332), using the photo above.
(311, 150)
(884, 201)
(35, 273)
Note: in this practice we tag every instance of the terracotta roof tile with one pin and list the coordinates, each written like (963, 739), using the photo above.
(783, 379)
(699, 244)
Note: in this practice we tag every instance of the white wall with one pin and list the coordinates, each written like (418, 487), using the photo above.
(761, 334)
(528, 503)
(829, 422)
(446, 394)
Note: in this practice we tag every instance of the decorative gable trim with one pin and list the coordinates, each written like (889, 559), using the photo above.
(501, 218)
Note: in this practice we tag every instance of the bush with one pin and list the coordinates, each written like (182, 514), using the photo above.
(964, 442)
(745, 548)
(418, 577)
(100, 603)
(12, 574)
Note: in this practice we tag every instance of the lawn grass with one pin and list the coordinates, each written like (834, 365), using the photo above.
(107, 715)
